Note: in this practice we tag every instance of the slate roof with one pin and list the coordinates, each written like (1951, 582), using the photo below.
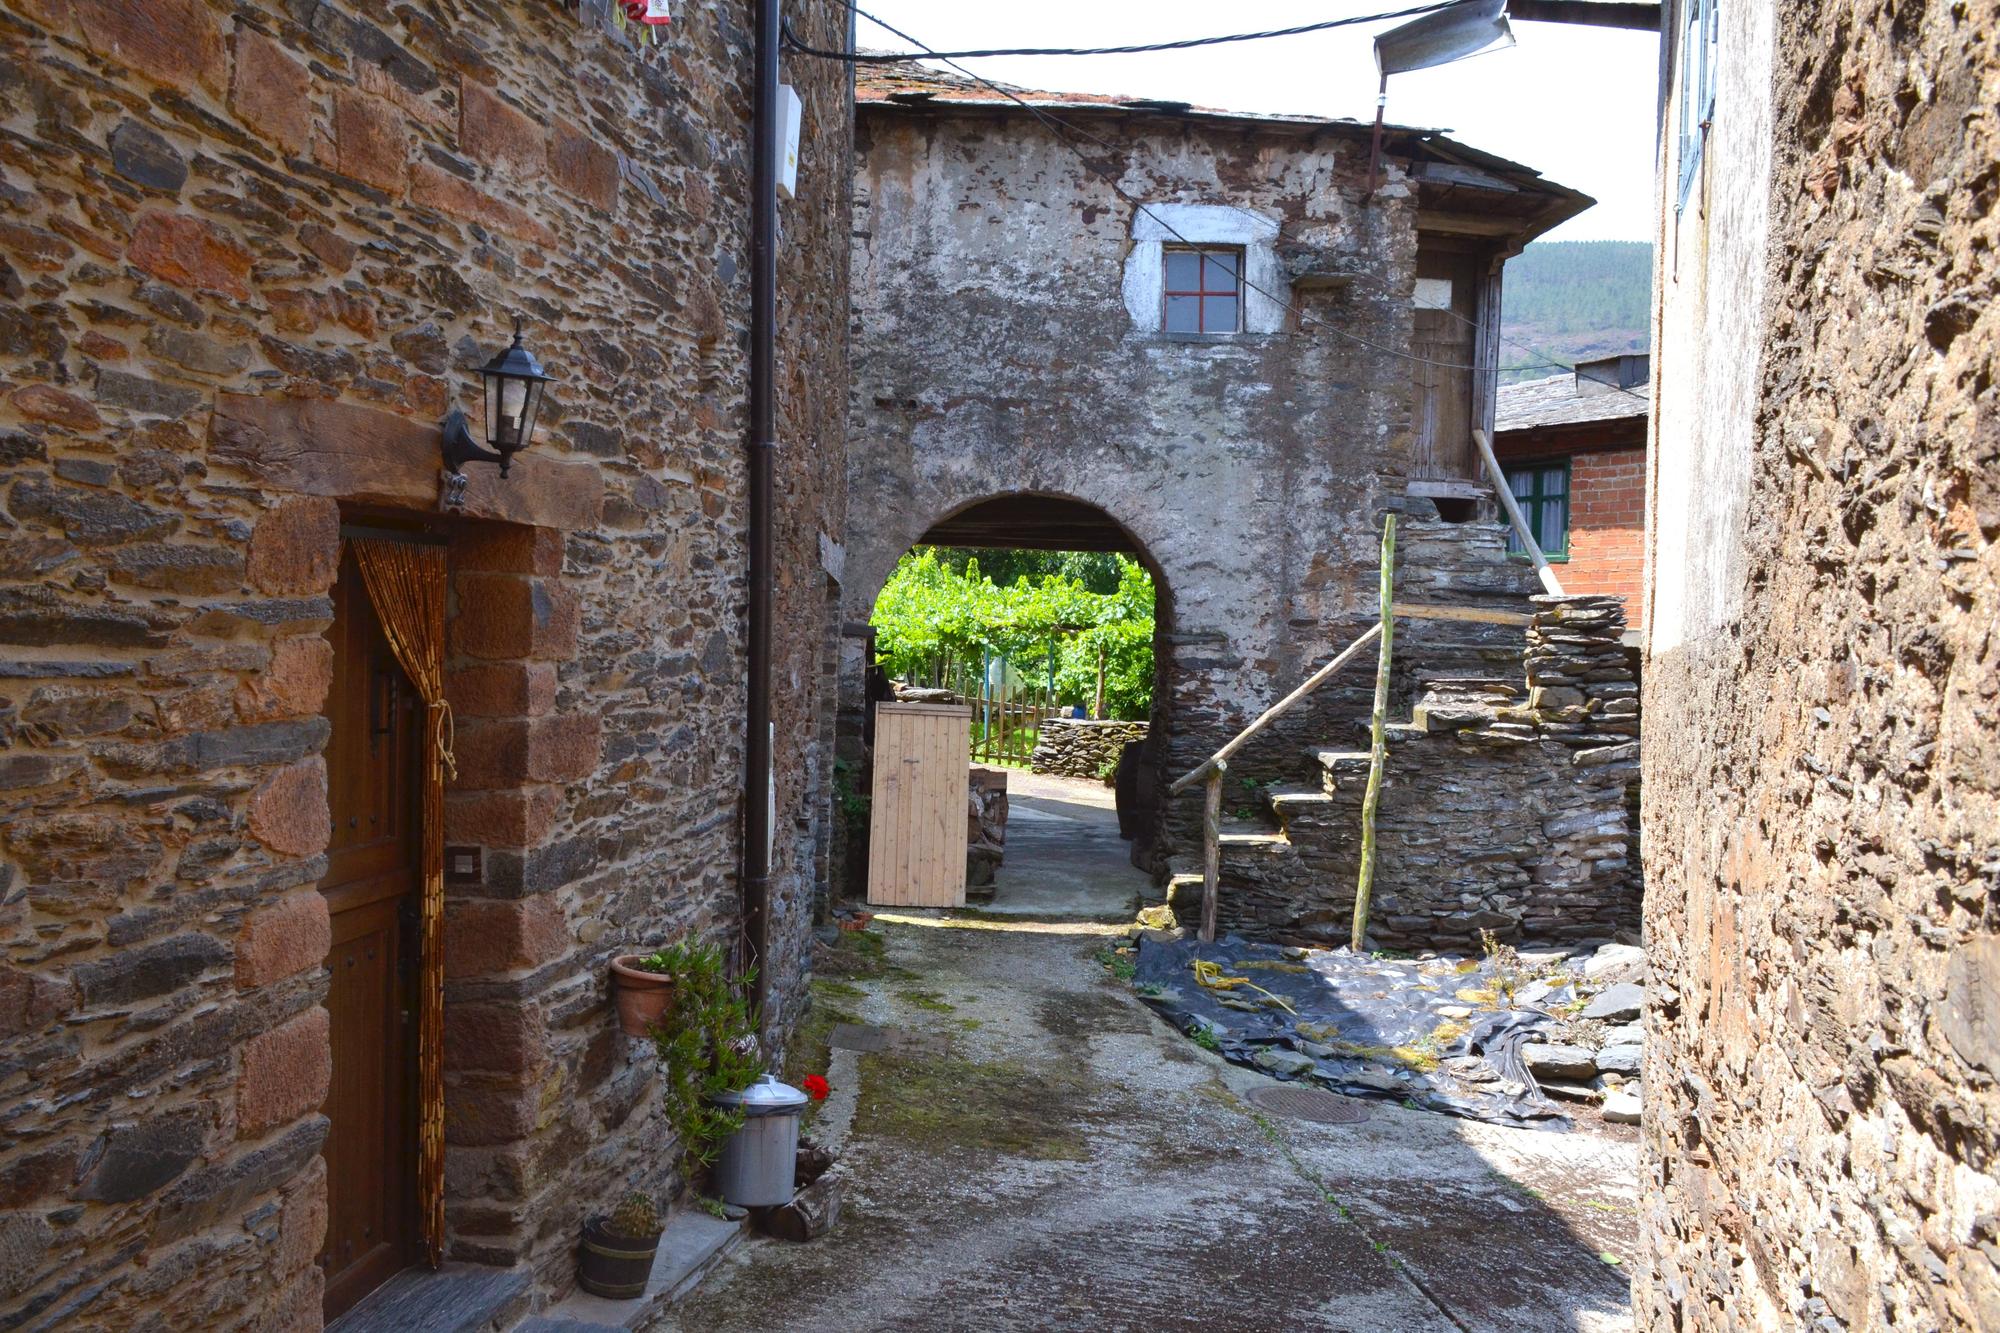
(1555, 402)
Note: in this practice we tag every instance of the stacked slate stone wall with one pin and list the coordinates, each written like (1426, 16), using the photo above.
(1075, 747)
(1503, 808)
(1822, 791)
(251, 253)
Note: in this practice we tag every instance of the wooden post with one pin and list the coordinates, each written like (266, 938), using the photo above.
(1097, 711)
(1211, 852)
(1370, 802)
(1550, 583)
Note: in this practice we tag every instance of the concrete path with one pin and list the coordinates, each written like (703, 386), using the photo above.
(1034, 1150)
(1064, 857)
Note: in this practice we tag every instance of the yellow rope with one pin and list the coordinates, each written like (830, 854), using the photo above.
(1212, 976)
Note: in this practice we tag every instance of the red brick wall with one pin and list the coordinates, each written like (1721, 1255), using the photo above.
(1607, 527)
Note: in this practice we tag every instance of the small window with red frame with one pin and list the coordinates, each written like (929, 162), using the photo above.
(1204, 289)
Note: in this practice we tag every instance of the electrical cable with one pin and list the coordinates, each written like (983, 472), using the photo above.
(1183, 44)
(1067, 132)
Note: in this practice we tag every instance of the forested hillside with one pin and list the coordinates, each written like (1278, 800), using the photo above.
(1573, 300)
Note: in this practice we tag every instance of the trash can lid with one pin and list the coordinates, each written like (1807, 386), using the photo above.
(766, 1096)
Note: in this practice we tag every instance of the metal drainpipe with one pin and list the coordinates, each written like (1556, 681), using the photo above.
(756, 867)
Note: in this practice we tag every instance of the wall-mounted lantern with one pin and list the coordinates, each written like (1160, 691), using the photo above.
(514, 381)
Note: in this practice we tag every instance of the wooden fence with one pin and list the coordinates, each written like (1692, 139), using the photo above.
(1005, 718)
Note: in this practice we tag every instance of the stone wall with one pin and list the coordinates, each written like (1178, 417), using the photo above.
(985, 830)
(251, 253)
(1503, 808)
(1822, 785)
(1249, 471)
(1074, 747)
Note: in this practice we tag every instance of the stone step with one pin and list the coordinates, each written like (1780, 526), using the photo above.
(693, 1243)
(456, 1298)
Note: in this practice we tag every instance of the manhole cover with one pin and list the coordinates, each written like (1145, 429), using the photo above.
(1325, 1108)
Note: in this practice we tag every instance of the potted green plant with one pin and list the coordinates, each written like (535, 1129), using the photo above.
(708, 1050)
(643, 986)
(617, 1255)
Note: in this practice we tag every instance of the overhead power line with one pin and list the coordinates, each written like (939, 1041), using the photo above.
(1068, 133)
(1182, 44)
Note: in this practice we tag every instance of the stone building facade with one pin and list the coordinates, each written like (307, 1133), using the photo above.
(251, 254)
(1822, 775)
(1016, 384)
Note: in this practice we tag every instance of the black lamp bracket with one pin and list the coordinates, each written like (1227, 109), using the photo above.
(459, 449)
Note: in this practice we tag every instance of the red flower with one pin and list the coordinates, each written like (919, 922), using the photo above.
(816, 1087)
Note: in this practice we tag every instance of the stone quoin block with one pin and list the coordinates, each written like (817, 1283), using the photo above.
(505, 616)
(191, 253)
(510, 548)
(506, 689)
(509, 1039)
(285, 1073)
(172, 42)
(434, 187)
(293, 685)
(507, 752)
(498, 135)
(289, 813)
(584, 167)
(478, 1114)
(302, 1224)
(511, 817)
(295, 548)
(483, 937)
(371, 140)
(270, 92)
(283, 939)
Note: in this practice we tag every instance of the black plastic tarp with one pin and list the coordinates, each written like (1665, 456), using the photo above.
(1439, 1033)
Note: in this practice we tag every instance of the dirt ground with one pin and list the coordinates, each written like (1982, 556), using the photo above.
(1033, 1149)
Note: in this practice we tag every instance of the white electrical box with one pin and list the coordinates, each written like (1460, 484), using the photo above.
(790, 113)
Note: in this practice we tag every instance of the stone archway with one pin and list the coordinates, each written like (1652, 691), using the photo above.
(1016, 520)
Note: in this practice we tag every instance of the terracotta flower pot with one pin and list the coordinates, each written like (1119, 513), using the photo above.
(643, 997)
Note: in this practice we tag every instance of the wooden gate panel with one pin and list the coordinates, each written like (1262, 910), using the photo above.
(916, 841)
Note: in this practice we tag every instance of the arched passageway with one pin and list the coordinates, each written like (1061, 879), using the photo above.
(1075, 845)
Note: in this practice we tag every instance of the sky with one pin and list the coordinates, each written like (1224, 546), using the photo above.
(1577, 104)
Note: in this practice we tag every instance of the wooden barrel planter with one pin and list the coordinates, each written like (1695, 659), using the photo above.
(613, 1265)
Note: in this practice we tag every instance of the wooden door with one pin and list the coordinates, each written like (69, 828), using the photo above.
(916, 828)
(371, 888)
(1443, 343)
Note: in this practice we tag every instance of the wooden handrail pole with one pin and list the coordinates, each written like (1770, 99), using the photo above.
(1507, 502)
(1271, 714)
(1364, 887)
(1211, 852)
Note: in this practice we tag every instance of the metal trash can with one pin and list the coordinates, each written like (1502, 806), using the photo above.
(759, 1161)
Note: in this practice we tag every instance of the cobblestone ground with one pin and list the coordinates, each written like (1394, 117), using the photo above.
(1039, 1151)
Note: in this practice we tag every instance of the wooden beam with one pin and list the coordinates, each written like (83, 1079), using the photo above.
(1211, 851)
(1318, 678)
(1588, 13)
(1474, 614)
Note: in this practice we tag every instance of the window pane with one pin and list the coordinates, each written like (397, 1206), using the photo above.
(1218, 314)
(1183, 314)
(1555, 481)
(1218, 272)
(1183, 270)
(1521, 483)
(1552, 526)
